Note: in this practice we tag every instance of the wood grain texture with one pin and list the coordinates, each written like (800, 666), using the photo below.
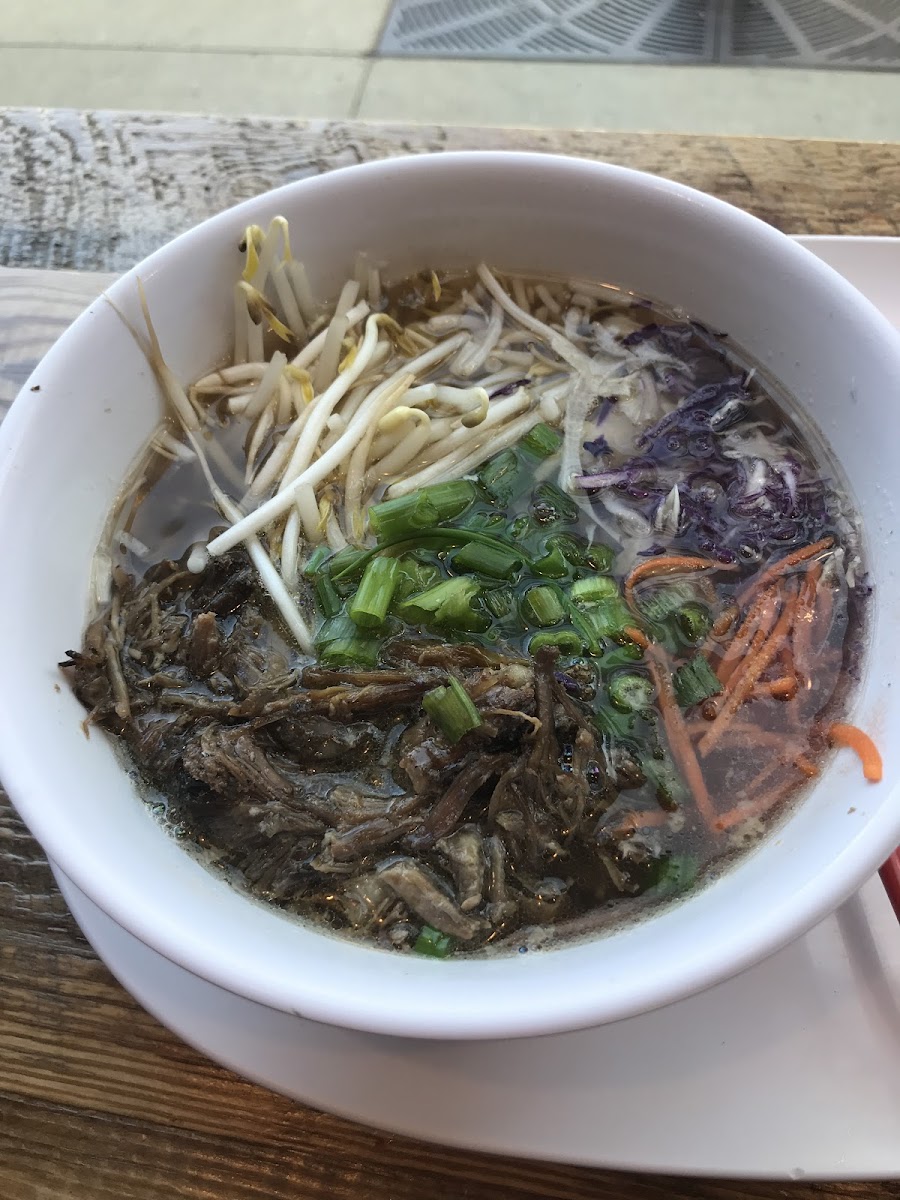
(98, 191)
(97, 1100)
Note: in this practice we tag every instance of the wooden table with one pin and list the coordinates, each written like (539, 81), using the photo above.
(97, 1100)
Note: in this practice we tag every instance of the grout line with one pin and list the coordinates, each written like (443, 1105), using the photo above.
(382, 29)
(360, 89)
(224, 51)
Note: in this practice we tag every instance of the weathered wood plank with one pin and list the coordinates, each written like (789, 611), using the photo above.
(49, 1151)
(98, 191)
(98, 1101)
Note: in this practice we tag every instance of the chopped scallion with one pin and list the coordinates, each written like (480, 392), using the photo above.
(326, 594)
(542, 605)
(339, 643)
(372, 599)
(413, 576)
(408, 516)
(494, 561)
(452, 710)
(499, 602)
(695, 682)
(433, 944)
(315, 560)
(567, 641)
(595, 588)
(669, 787)
(553, 564)
(550, 503)
(676, 873)
(501, 476)
(630, 693)
(541, 441)
(449, 604)
(694, 622)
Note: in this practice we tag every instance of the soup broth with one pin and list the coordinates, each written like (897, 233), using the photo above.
(476, 613)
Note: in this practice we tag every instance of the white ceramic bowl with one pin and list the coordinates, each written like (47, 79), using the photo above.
(66, 448)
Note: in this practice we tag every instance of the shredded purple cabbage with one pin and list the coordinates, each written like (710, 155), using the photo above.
(508, 388)
(599, 445)
(732, 507)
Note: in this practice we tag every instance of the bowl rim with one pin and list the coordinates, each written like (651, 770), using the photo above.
(572, 1009)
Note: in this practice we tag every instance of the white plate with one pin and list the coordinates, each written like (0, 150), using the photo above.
(789, 1071)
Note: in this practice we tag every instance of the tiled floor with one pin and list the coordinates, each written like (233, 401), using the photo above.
(314, 58)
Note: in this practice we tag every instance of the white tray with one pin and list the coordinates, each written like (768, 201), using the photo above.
(791, 1070)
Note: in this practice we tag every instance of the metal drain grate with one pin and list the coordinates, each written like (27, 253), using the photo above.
(813, 33)
(632, 30)
(802, 33)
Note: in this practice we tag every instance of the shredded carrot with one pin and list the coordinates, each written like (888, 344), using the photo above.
(776, 570)
(855, 739)
(806, 617)
(824, 618)
(752, 735)
(676, 732)
(757, 806)
(646, 819)
(783, 688)
(809, 769)
(637, 636)
(745, 678)
(669, 564)
(761, 616)
(786, 658)
(724, 621)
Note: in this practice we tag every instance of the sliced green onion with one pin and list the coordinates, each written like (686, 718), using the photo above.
(483, 520)
(499, 602)
(597, 557)
(501, 476)
(448, 604)
(327, 594)
(451, 536)
(543, 606)
(622, 656)
(553, 564)
(676, 873)
(521, 528)
(669, 787)
(541, 441)
(315, 560)
(413, 576)
(550, 503)
(694, 622)
(494, 561)
(661, 602)
(452, 710)
(346, 566)
(630, 693)
(567, 641)
(407, 516)
(590, 591)
(372, 599)
(608, 618)
(695, 682)
(433, 944)
(339, 643)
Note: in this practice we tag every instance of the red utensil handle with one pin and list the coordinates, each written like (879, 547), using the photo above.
(890, 877)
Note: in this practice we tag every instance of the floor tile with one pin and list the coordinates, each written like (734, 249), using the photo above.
(704, 99)
(310, 26)
(253, 84)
